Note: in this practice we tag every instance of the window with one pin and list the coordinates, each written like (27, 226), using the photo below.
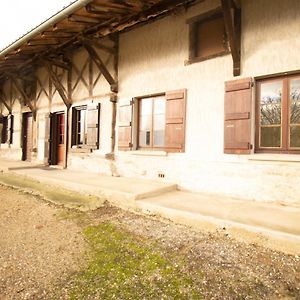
(207, 38)
(158, 122)
(85, 126)
(79, 126)
(278, 115)
(152, 119)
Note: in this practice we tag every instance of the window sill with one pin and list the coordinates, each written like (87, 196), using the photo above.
(200, 59)
(274, 157)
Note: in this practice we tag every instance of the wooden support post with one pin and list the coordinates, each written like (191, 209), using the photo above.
(95, 57)
(232, 26)
(114, 97)
(113, 100)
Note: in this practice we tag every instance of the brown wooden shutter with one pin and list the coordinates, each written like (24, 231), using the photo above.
(237, 110)
(125, 127)
(4, 130)
(10, 128)
(93, 126)
(175, 121)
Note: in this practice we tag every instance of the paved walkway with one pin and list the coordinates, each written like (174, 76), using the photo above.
(274, 225)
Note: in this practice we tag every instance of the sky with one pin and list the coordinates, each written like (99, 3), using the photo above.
(19, 16)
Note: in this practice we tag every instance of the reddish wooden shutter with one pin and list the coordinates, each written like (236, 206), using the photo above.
(175, 121)
(125, 127)
(93, 114)
(237, 125)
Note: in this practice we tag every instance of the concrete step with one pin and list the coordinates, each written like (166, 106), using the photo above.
(117, 190)
(271, 225)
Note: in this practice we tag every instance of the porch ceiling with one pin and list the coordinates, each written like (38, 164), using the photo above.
(67, 29)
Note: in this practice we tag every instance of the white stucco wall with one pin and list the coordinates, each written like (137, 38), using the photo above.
(152, 60)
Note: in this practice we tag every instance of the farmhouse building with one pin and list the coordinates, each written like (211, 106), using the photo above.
(201, 93)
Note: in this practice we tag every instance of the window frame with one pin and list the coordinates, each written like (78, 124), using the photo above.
(139, 101)
(193, 29)
(75, 111)
(285, 115)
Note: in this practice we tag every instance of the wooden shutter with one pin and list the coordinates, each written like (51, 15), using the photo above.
(125, 127)
(93, 126)
(4, 130)
(10, 128)
(237, 110)
(175, 121)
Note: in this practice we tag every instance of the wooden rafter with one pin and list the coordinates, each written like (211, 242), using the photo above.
(98, 61)
(58, 85)
(232, 25)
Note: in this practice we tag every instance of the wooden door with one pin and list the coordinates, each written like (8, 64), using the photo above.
(27, 137)
(61, 138)
(57, 138)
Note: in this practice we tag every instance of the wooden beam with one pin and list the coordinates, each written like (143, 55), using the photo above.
(232, 26)
(84, 19)
(58, 63)
(97, 60)
(102, 10)
(97, 44)
(58, 85)
(21, 90)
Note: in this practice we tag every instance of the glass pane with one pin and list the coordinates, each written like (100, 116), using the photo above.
(144, 138)
(159, 130)
(270, 103)
(295, 101)
(270, 136)
(145, 122)
(146, 107)
(295, 136)
(82, 127)
(159, 105)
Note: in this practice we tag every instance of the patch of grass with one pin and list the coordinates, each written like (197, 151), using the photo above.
(122, 266)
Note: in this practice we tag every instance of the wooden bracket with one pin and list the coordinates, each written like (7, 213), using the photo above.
(232, 19)
(98, 61)
(26, 99)
(58, 85)
(3, 100)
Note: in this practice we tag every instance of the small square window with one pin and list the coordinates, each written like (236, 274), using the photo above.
(208, 37)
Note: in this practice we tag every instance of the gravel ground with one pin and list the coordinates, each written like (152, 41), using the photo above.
(230, 269)
(40, 251)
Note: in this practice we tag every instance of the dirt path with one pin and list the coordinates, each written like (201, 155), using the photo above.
(38, 249)
(53, 253)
